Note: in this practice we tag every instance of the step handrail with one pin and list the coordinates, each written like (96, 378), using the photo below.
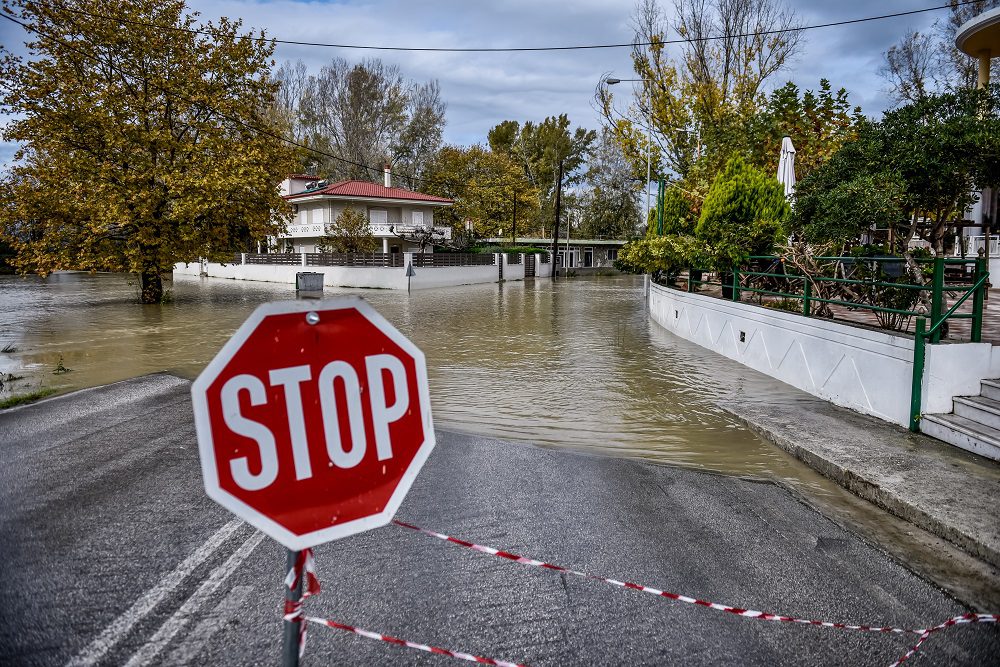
(920, 343)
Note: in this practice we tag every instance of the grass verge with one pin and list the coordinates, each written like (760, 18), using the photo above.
(26, 398)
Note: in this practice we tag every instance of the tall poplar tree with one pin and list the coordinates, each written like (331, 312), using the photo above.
(142, 142)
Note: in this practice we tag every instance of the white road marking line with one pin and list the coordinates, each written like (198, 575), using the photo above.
(183, 616)
(145, 604)
(187, 652)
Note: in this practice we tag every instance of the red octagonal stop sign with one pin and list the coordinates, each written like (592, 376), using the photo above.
(313, 420)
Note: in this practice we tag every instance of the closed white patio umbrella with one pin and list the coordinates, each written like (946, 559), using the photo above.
(786, 167)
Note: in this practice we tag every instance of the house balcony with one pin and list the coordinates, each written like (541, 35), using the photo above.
(379, 230)
(382, 230)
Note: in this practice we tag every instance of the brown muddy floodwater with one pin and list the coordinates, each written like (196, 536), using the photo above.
(575, 364)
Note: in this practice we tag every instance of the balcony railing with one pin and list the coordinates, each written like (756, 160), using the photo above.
(973, 244)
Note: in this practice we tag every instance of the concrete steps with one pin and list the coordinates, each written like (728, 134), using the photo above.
(973, 424)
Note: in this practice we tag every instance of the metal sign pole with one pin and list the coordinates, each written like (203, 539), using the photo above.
(290, 645)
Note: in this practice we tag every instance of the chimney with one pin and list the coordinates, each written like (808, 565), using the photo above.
(388, 175)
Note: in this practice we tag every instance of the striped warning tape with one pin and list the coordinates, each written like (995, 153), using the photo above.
(402, 642)
(305, 566)
(964, 619)
(924, 633)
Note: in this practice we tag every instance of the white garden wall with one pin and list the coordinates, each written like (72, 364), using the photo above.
(334, 276)
(866, 370)
(512, 271)
(356, 276)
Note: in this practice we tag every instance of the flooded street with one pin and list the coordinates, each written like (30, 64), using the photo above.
(568, 364)
(571, 364)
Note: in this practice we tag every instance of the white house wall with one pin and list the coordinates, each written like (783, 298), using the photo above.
(869, 371)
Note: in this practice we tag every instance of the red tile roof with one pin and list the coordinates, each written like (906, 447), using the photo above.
(370, 190)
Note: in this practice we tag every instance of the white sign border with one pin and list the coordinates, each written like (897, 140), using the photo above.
(206, 445)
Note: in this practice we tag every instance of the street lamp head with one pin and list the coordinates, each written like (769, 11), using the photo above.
(612, 81)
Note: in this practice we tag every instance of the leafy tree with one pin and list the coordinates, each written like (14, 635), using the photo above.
(921, 163)
(664, 255)
(350, 233)
(538, 149)
(744, 214)
(936, 145)
(366, 113)
(819, 123)
(139, 147)
(839, 215)
(610, 206)
(700, 99)
(678, 214)
(486, 185)
(6, 255)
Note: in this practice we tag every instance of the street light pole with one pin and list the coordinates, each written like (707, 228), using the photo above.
(649, 160)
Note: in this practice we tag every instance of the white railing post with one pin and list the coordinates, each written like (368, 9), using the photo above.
(243, 258)
(303, 258)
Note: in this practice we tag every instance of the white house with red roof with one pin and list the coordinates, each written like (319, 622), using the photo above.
(391, 212)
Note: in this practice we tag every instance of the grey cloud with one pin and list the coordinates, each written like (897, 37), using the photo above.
(484, 89)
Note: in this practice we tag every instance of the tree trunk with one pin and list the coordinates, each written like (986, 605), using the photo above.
(151, 285)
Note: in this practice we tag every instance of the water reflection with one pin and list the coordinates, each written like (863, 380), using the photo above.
(569, 364)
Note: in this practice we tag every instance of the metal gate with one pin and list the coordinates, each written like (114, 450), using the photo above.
(529, 265)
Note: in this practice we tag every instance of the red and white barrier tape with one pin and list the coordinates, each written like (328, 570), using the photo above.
(402, 642)
(964, 619)
(305, 565)
(924, 633)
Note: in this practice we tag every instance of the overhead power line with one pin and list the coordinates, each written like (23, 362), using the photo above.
(248, 126)
(515, 49)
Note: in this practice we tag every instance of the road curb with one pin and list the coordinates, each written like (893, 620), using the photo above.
(868, 488)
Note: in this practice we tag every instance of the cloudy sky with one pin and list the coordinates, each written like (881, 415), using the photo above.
(484, 89)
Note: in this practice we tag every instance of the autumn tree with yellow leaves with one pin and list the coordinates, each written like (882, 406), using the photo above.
(489, 189)
(145, 138)
(698, 97)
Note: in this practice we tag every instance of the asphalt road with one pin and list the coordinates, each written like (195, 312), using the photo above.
(112, 554)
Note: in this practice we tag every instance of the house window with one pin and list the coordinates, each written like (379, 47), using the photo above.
(568, 260)
(588, 257)
(418, 218)
(378, 216)
(612, 254)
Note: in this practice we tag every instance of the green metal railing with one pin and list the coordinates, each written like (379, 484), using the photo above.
(938, 287)
(920, 337)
